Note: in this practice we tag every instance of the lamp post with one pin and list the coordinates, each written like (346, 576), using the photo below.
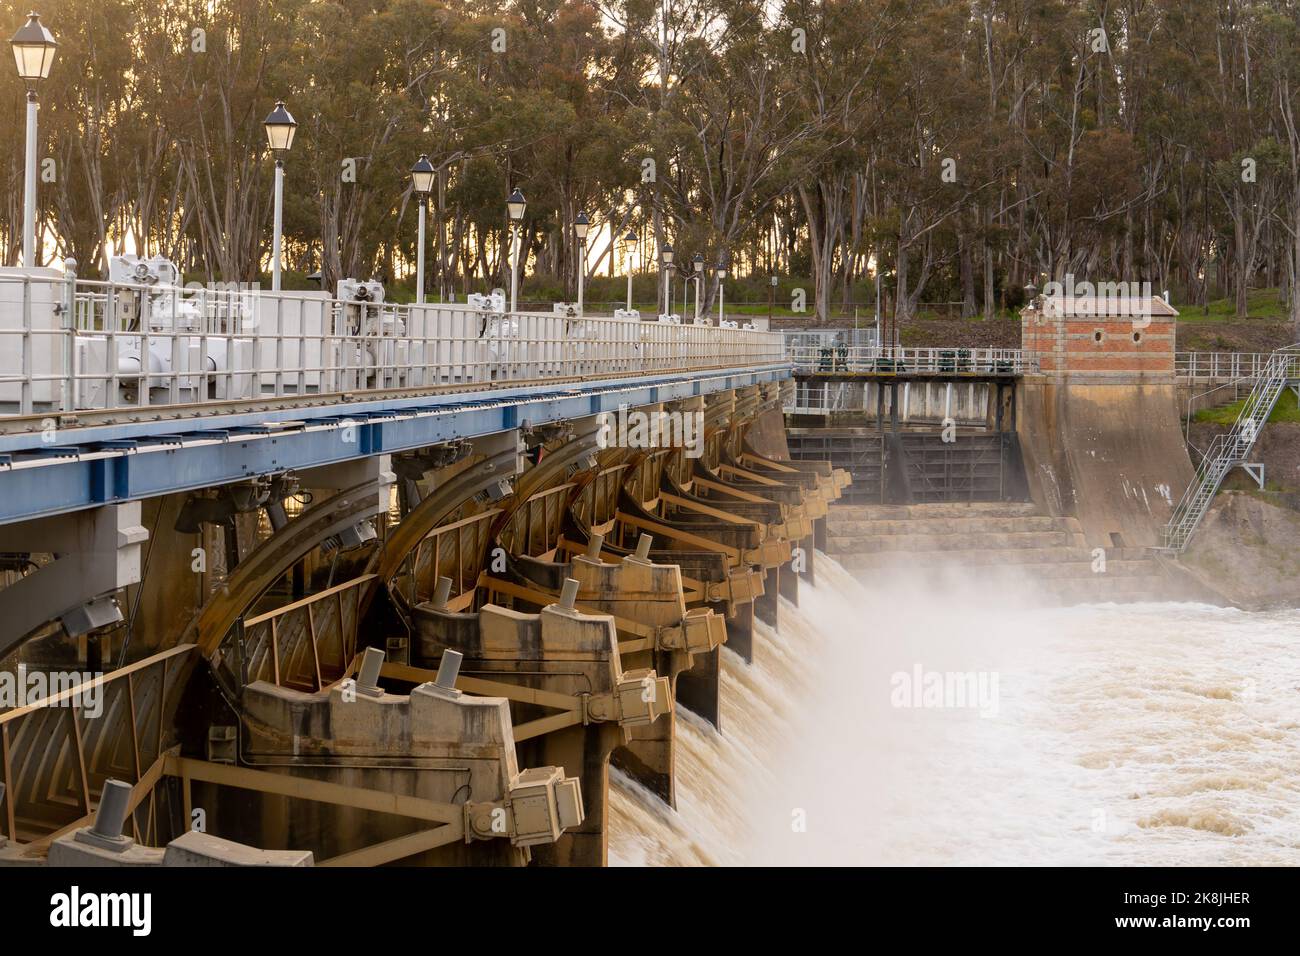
(699, 276)
(580, 226)
(722, 278)
(33, 47)
(666, 254)
(421, 182)
(515, 206)
(877, 279)
(280, 127)
(1031, 294)
(629, 246)
(771, 299)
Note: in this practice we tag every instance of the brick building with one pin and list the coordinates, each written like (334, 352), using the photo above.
(1099, 339)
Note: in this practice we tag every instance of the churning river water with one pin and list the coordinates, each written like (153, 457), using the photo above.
(1151, 734)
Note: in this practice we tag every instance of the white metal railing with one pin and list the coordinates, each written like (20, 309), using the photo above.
(909, 361)
(819, 398)
(823, 338)
(1220, 366)
(930, 401)
(69, 345)
(826, 351)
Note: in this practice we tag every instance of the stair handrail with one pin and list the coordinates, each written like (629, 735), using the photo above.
(1229, 449)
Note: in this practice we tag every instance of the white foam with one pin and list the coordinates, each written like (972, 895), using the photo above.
(1142, 733)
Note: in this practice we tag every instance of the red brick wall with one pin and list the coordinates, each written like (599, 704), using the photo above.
(1069, 345)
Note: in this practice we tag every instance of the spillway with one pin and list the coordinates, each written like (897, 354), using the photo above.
(498, 579)
(1151, 734)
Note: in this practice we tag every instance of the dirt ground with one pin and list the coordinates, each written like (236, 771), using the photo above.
(1244, 550)
(1249, 335)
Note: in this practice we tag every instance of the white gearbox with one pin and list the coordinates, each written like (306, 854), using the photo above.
(377, 358)
(184, 346)
(496, 302)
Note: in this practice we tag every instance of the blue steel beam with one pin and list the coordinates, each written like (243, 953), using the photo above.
(202, 418)
(145, 459)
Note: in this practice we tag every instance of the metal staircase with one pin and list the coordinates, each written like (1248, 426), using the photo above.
(1228, 451)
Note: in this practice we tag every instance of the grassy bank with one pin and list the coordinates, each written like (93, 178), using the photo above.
(1286, 410)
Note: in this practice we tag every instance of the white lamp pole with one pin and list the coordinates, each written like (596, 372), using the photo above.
(629, 245)
(29, 184)
(666, 254)
(280, 127)
(419, 258)
(421, 182)
(277, 235)
(699, 276)
(580, 226)
(33, 47)
(515, 207)
(722, 280)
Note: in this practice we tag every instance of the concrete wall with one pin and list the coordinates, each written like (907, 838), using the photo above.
(963, 402)
(1111, 455)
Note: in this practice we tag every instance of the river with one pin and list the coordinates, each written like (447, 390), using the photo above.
(1100, 734)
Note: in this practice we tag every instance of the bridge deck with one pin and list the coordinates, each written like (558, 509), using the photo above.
(99, 465)
(240, 384)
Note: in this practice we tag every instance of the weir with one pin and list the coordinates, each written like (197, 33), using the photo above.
(402, 583)
(365, 583)
(1054, 467)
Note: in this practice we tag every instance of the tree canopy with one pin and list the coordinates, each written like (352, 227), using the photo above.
(958, 149)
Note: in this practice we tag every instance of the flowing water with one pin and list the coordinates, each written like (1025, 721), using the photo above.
(1107, 734)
